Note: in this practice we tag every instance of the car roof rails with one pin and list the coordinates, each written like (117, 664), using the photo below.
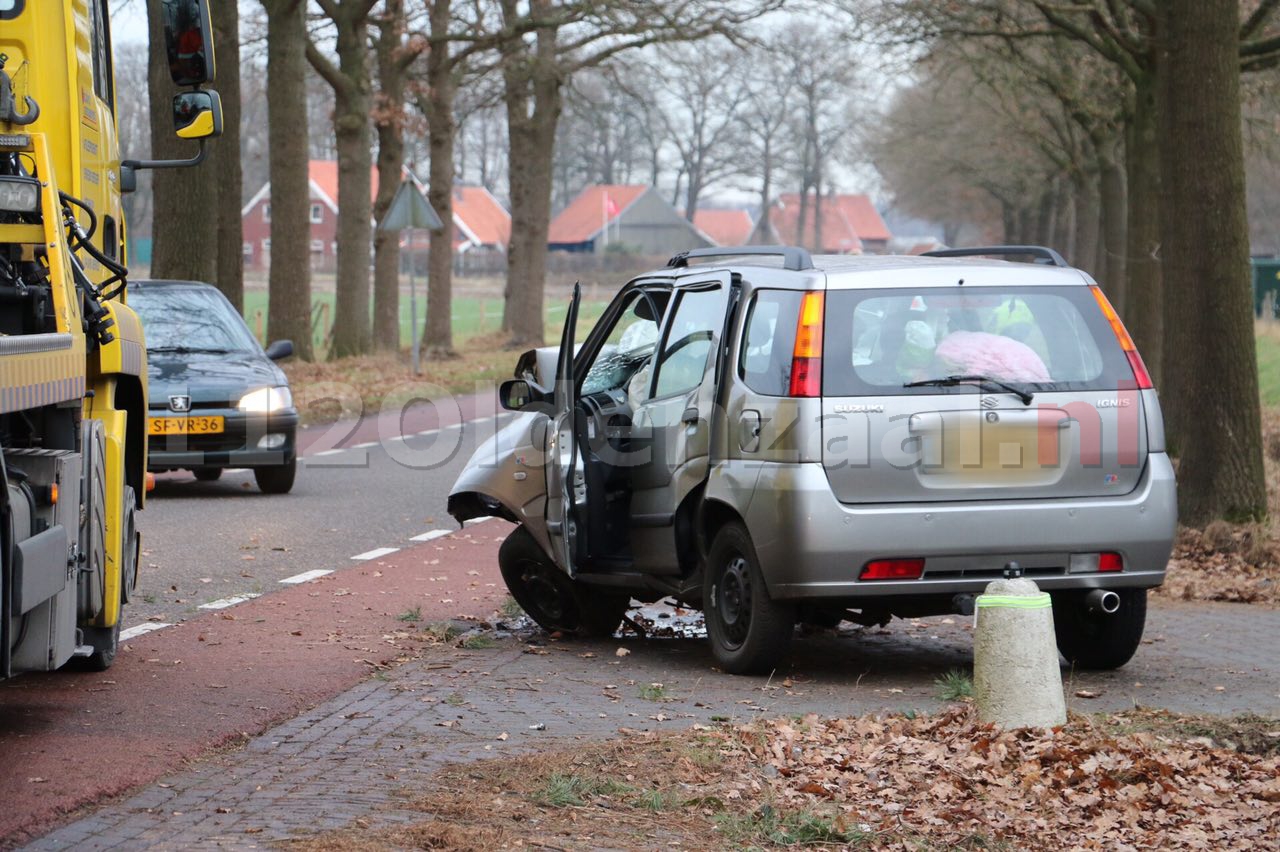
(793, 257)
(1041, 254)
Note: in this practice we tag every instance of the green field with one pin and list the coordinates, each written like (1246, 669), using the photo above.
(1269, 364)
(472, 315)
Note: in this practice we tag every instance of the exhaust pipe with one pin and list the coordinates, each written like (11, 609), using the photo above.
(1102, 601)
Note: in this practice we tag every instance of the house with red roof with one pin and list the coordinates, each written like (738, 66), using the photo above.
(724, 227)
(480, 222)
(850, 224)
(631, 218)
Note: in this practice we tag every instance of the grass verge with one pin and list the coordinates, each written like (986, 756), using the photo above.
(943, 781)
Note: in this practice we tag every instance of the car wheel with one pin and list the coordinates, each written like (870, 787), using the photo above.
(1091, 640)
(208, 474)
(550, 597)
(278, 479)
(749, 631)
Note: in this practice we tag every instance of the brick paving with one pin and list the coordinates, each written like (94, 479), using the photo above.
(364, 753)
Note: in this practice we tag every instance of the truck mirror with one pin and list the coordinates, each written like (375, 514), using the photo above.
(197, 115)
(188, 39)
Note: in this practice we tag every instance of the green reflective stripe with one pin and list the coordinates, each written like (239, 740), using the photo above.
(1040, 601)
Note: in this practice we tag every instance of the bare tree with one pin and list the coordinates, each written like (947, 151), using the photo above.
(226, 162)
(547, 43)
(352, 87)
(395, 51)
(183, 246)
(133, 118)
(1213, 373)
(701, 88)
(289, 298)
(764, 122)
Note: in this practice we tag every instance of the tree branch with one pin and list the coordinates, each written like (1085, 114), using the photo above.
(1255, 22)
(326, 69)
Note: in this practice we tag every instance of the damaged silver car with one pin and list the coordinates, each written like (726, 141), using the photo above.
(777, 438)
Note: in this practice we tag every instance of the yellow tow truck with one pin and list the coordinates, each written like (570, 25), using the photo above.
(73, 376)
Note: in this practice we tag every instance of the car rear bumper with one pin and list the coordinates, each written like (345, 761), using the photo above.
(239, 445)
(811, 546)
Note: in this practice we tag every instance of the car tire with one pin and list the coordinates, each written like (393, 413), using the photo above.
(1091, 640)
(207, 474)
(749, 631)
(550, 597)
(277, 479)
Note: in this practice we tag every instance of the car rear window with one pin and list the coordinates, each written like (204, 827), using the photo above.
(1048, 338)
(764, 359)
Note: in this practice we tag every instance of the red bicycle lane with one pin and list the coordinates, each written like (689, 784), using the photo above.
(72, 739)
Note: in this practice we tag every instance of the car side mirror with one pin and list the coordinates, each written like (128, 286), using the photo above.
(188, 41)
(279, 350)
(197, 115)
(517, 394)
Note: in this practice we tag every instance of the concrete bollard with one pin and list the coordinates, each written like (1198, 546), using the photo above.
(1016, 679)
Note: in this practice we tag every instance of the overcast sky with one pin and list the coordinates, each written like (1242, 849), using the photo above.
(128, 22)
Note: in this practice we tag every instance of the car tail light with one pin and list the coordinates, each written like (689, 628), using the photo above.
(1088, 563)
(893, 569)
(1140, 374)
(806, 358)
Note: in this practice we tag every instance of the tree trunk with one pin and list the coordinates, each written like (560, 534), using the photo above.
(389, 122)
(533, 104)
(184, 200)
(1144, 303)
(351, 121)
(1115, 227)
(438, 335)
(1088, 222)
(1212, 367)
(766, 188)
(226, 157)
(289, 299)
(1064, 222)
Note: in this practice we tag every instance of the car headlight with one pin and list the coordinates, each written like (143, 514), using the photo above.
(266, 400)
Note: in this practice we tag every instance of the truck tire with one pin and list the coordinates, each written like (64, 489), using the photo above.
(106, 640)
(91, 593)
(130, 547)
(749, 631)
(1098, 641)
(550, 597)
(277, 479)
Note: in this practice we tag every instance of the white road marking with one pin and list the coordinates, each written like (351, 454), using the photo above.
(223, 603)
(474, 521)
(428, 431)
(366, 445)
(430, 536)
(139, 629)
(483, 419)
(374, 554)
(306, 576)
(327, 452)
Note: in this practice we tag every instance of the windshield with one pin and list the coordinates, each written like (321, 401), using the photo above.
(188, 319)
(1041, 338)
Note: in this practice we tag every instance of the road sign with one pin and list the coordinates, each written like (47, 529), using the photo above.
(409, 209)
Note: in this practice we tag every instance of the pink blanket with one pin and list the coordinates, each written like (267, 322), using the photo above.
(994, 355)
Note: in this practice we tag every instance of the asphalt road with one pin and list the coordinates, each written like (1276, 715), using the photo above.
(361, 487)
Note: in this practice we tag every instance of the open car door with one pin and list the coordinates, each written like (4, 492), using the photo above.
(562, 450)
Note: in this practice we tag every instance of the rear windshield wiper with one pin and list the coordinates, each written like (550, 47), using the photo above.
(1025, 395)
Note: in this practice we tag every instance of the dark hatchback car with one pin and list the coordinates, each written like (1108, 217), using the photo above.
(217, 400)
